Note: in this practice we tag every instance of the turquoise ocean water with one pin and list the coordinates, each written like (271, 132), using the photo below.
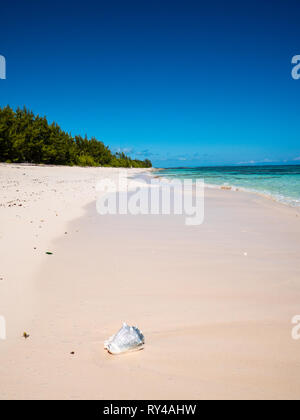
(280, 182)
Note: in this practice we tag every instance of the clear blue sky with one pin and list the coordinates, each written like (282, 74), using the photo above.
(181, 82)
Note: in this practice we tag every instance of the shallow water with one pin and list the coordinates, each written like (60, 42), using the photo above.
(279, 182)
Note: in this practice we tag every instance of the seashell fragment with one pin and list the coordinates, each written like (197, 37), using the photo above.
(126, 339)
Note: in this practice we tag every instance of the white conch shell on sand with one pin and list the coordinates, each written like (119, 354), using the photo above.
(126, 339)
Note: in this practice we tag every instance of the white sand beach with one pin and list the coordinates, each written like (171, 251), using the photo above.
(214, 301)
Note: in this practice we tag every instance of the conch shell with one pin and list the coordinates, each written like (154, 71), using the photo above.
(126, 339)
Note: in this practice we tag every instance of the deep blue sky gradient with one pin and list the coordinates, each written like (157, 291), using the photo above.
(181, 82)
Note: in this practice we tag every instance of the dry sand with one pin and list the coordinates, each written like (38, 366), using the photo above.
(215, 302)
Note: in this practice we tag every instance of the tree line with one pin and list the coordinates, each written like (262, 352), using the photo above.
(25, 137)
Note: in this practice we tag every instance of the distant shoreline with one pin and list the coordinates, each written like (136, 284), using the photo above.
(26, 137)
